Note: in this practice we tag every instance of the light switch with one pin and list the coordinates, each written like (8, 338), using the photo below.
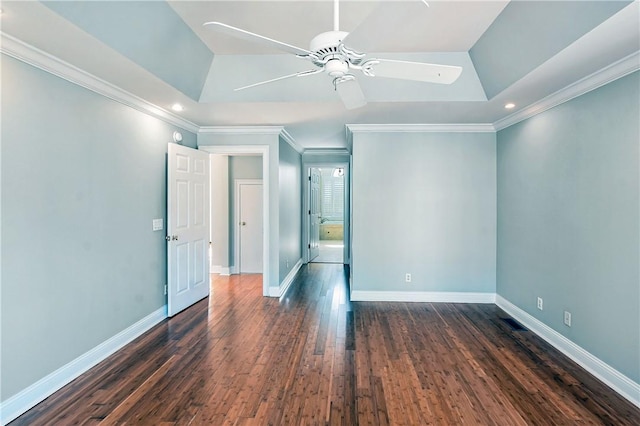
(158, 224)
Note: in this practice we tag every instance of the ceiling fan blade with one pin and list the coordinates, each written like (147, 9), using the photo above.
(255, 38)
(417, 71)
(351, 94)
(298, 74)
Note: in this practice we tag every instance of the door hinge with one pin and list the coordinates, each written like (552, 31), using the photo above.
(309, 211)
(309, 178)
(309, 245)
(165, 289)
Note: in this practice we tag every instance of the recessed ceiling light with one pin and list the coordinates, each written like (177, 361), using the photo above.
(177, 107)
(510, 105)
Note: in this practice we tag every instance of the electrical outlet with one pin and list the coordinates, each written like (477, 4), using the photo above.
(287, 262)
(540, 303)
(567, 318)
(407, 278)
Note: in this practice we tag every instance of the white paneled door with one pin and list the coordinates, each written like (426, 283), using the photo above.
(249, 195)
(314, 213)
(187, 227)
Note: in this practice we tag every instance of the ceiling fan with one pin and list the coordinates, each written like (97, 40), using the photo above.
(329, 53)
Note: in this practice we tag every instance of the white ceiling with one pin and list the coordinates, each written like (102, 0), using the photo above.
(444, 26)
(307, 108)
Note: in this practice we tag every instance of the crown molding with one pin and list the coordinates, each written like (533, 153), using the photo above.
(253, 130)
(326, 151)
(245, 130)
(419, 128)
(31, 55)
(289, 139)
(591, 82)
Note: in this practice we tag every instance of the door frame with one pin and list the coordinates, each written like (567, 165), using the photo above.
(262, 150)
(346, 208)
(236, 217)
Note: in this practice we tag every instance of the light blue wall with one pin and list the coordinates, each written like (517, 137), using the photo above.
(425, 204)
(568, 220)
(290, 208)
(240, 167)
(82, 178)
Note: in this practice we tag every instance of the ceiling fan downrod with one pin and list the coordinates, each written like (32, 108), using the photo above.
(336, 15)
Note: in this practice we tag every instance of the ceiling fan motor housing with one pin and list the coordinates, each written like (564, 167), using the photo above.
(326, 53)
(327, 43)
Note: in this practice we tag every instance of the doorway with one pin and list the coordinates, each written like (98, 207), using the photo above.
(223, 245)
(327, 218)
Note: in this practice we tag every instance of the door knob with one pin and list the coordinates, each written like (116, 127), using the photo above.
(243, 223)
(174, 237)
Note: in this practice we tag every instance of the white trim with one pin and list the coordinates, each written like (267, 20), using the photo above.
(288, 280)
(218, 269)
(236, 217)
(266, 171)
(421, 128)
(289, 139)
(253, 130)
(603, 371)
(43, 388)
(599, 78)
(274, 292)
(33, 56)
(326, 151)
(422, 296)
(244, 130)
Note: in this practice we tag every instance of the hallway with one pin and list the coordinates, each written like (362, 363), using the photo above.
(330, 252)
(315, 358)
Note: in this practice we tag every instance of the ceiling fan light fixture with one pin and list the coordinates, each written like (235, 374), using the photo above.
(336, 67)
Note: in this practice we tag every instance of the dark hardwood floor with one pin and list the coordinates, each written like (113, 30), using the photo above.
(315, 358)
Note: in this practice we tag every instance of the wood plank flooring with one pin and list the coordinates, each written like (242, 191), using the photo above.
(314, 358)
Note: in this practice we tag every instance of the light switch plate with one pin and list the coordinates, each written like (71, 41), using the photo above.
(158, 224)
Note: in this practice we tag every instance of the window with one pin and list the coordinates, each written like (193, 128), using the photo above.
(332, 187)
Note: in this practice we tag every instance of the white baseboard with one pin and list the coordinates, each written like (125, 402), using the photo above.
(421, 296)
(603, 371)
(286, 283)
(43, 388)
(222, 270)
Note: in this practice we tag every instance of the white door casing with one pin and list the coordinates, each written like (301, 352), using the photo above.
(262, 150)
(249, 228)
(314, 213)
(187, 227)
